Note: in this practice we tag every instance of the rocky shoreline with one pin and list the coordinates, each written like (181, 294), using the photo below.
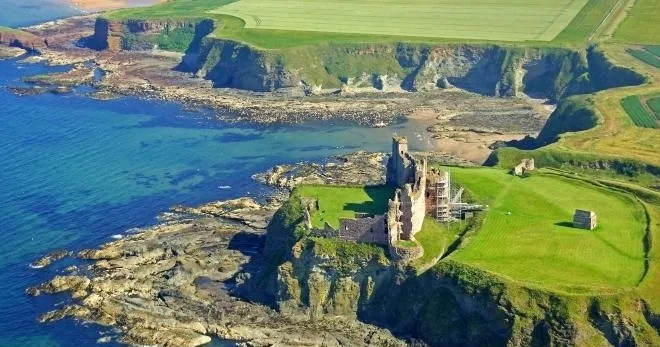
(170, 284)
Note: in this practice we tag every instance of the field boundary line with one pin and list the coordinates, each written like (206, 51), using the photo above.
(596, 32)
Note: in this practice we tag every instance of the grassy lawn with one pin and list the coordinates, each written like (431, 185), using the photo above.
(640, 115)
(641, 24)
(343, 202)
(527, 233)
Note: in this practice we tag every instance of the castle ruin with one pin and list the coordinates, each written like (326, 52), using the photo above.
(408, 207)
(418, 192)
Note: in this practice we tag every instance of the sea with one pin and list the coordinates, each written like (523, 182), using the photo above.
(77, 172)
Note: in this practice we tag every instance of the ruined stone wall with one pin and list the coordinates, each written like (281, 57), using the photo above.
(370, 229)
(394, 226)
(327, 232)
(413, 202)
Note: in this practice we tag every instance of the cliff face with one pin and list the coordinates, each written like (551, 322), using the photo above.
(325, 280)
(137, 34)
(551, 73)
(451, 304)
(488, 70)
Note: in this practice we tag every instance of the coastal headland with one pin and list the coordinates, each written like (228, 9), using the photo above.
(514, 271)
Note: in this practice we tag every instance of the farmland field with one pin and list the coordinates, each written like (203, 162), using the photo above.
(506, 20)
(640, 115)
(649, 55)
(654, 105)
(641, 24)
(527, 236)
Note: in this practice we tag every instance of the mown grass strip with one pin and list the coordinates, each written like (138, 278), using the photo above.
(645, 56)
(585, 22)
(653, 49)
(654, 105)
(636, 111)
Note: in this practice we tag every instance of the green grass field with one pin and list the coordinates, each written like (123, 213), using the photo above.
(641, 116)
(654, 105)
(641, 24)
(649, 55)
(527, 236)
(280, 24)
(506, 20)
(343, 202)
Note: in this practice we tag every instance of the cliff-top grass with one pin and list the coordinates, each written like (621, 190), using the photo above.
(344, 202)
(527, 235)
(274, 24)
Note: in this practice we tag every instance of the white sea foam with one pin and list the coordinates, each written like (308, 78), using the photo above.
(117, 236)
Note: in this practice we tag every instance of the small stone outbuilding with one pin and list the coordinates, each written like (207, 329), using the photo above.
(525, 166)
(584, 219)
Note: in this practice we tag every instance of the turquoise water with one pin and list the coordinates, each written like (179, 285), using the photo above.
(76, 171)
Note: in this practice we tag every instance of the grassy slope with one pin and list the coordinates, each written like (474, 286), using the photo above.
(615, 135)
(344, 202)
(536, 244)
(641, 25)
(436, 239)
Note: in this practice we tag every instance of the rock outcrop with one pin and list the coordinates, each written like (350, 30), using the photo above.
(22, 39)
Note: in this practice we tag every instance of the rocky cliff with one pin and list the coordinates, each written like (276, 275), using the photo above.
(450, 304)
(550, 73)
(139, 34)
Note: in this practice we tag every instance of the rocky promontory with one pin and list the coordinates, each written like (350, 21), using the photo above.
(171, 284)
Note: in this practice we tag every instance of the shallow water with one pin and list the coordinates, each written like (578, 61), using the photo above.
(16, 13)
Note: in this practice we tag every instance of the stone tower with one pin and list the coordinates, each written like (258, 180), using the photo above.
(408, 175)
(401, 166)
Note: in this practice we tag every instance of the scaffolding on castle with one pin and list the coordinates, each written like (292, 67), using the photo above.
(442, 199)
